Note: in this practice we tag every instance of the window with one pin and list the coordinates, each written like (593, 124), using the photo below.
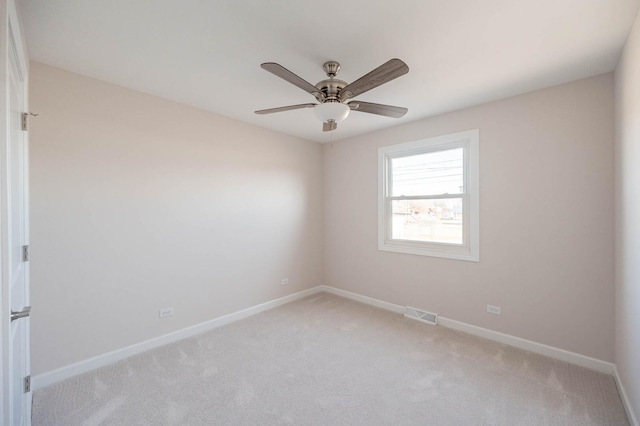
(428, 197)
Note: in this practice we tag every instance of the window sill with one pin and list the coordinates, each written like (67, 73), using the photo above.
(433, 250)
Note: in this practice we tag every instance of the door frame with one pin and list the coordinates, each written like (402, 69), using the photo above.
(11, 29)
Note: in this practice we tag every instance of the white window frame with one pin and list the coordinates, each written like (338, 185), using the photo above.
(470, 248)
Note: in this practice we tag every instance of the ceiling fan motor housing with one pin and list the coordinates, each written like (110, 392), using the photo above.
(331, 88)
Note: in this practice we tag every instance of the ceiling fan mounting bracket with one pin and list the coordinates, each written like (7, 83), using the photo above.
(331, 68)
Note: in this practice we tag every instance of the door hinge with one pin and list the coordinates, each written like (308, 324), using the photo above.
(25, 253)
(27, 384)
(25, 120)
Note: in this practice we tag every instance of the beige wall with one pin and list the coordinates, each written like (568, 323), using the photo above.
(627, 97)
(140, 203)
(546, 220)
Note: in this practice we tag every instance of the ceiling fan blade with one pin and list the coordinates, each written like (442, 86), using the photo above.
(284, 108)
(328, 126)
(383, 74)
(285, 74)
(380, 109)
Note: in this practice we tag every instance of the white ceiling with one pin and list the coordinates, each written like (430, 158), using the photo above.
(208, 53)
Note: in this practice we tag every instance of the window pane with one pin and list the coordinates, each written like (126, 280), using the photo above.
(433, 221)
(432, 173)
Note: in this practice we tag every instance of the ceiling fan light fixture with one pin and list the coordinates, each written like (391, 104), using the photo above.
(332, 111)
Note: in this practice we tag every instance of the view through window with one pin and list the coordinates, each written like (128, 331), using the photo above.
(428, 201)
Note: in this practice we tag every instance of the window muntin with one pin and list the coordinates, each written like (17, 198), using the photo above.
(429, 197)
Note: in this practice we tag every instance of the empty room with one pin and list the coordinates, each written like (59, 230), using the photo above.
(320, 213)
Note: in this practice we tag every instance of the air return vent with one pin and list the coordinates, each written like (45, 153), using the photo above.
(420, 315)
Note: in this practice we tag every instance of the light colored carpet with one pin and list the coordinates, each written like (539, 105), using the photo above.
(326, 360)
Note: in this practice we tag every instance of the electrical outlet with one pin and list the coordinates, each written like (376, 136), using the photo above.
(494, 309)
(166, 312)
(284, 281)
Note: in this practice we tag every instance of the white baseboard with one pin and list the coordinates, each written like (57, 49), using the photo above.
(550, 351)
(363, 299)
(46, 379)
(625, 400)
(539, 348)
(51, 377)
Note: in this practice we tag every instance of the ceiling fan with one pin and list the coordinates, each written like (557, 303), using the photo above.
(332, 93)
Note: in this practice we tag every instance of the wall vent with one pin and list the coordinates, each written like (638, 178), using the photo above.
(420, 315)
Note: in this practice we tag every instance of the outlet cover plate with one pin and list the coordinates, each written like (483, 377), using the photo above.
(497, 310)
(166, 312)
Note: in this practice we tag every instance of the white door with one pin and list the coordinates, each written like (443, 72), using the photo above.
(17, 235)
